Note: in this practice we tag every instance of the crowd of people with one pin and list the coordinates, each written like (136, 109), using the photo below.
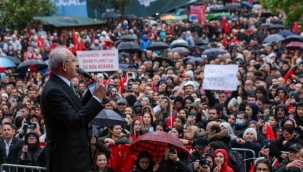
(168, 96)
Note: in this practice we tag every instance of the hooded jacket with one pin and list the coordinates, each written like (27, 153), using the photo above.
(297, 119)
(219, 140)
(144, 42)
(255, 111)
(261, 88)
(224, 167)
(160, 115)
(282, 87)
(31, 157)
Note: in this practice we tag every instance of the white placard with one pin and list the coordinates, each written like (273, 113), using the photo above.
(220, 77)
(97, 61)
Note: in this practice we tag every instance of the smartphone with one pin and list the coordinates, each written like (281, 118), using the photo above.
(268, 107)
(262, 117)
(265, 143)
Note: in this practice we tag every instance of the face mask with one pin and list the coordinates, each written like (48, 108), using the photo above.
(239, 122)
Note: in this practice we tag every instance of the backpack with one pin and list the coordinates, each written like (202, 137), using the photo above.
(235, 160)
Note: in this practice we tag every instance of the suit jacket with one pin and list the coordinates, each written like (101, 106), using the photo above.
(14, 153)
(66, 120)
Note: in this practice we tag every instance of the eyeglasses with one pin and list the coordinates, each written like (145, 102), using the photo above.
(262, 169)
(74, 60)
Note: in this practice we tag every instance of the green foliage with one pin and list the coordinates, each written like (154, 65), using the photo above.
(292, 8)
(18, 13)
(117, 4)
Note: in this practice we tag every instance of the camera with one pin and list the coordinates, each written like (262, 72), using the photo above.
(32, 126)
(172, 97)
(172, 150)
(203, 162)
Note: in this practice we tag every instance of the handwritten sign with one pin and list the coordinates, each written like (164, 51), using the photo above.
(220, 77)
(96, 61)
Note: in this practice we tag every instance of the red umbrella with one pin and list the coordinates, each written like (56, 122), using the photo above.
(156, 143)
(294, 45)
(107, 41)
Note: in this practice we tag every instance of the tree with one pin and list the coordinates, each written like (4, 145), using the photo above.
(119, 4)
(18, 13)
(292, 8)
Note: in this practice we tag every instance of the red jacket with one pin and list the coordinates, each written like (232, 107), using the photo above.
(225, 167)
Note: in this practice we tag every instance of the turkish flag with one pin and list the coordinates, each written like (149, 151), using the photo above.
(269, 133)
(294, 30)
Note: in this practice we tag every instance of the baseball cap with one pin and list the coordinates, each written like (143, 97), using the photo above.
(122, 101)
(295, 147)
(8, 113)
(201, 143)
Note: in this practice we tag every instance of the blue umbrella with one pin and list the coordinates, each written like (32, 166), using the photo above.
(247, 4)
(273, 38)
(108, 118)
(125, 66)
(5, 63)
(285, 33)
(213, 52)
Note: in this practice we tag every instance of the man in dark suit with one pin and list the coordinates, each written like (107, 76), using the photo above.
(66, 117)
(10, 146)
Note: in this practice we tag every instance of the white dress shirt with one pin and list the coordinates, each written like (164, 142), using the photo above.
(7, 145)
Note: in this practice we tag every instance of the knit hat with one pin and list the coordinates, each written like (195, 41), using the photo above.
(178, 99)
(250, 130)
(190, 74)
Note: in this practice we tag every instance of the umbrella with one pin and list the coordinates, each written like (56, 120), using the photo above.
(6, 63)
(234, 6)
(195, 60)
(187, 59)
(128, 46)
(291, 38)
(277, 26)
(273, 38)
(160, 59)
(69, 20)
(130, 17)
(129, 37)
(181, 50)
(294, 45)
(179, 43)
(218, 9)
(247, 4)
(266, 14)
(108, 117)
(213, 52)
(156, 143)
(23, 67)
(265, 25)
(14, 59)
(118, 42)
(111, 14)
(201, 48)
(285, 33)
(157, 46)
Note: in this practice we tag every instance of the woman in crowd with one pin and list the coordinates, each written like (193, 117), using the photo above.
(136, 130)
(144, 163)
(115, 136)
(177, 131)
(288, 138)
(179, 121)
(221, 160)
(232, 121)
(147, 119)
(183, 113)
(263, 165)
(273, 122)
(160, 126)
(100, 163)
(192, 132)
(226, 126)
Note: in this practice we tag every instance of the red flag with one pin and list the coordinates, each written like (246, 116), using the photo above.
(235, 40)
(269, 133)
(81, 46)
(289, 73)
(75, 40)
(225, 42)
(294, 30)
(248, 31)
(250, 1)
(232, 1)
(225, 26)
(39, 43)
(154, 87)
(252, 168)
(93, 38)
(275, 163)
(33, 68)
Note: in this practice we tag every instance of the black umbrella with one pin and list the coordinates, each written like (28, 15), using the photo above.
(128, 46)
(108, 117)
(111, 14)
(178, 43)
(69, 20)
(266, 14)
(130, 17)
(218, 9)
(292, 38)
(265, 25)
(157, 46)
(14, 59)
(273, 38)
(277, 26)
(129, 37)
(213, 52)
(234, 6)
(118, 42)
(160, 59)
(23, 67)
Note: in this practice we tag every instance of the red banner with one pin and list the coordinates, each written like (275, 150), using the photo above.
(197, 12)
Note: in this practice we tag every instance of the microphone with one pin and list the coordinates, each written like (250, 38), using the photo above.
(85, 74)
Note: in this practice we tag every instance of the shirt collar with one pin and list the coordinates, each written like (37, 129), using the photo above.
(64, 79)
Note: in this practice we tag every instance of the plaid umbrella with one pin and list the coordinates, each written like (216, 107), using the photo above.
(156, 143)
(294, 45)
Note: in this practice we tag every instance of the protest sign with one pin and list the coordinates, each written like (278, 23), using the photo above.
(96, 61)
(220, 77)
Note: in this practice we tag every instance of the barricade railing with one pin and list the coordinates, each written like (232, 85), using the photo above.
(21, 168)
(244, 151)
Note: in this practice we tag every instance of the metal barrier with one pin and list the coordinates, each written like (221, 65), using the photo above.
(244, 154)
(22, 168)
